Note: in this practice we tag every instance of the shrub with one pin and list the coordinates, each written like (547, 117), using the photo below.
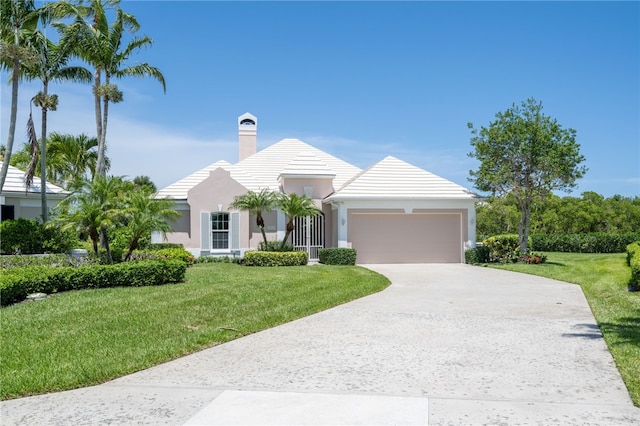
(218, 259)
(160, 246)
(633, 259)
(117, 255)
(598, 242)
(476, 255)
(337, 256)
(533, 258)
(178, 253)
(50, 260)
(272, 258)
(275, 246)
(17, 283)
(503, 248)
(28, 236)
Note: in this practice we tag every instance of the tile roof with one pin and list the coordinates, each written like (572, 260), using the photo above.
(262, 169)
(15, 183)
(395, 179)
(307, 165)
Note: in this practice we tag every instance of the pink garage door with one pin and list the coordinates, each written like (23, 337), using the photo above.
(406, 238)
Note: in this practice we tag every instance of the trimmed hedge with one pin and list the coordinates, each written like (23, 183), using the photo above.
(598, 242)
(275, 258)
(633, 260)
(476, 255)
(337, 256)
(16, 284)
(160, 246)
(177, 253)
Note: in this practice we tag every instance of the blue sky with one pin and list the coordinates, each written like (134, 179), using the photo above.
(363, 80)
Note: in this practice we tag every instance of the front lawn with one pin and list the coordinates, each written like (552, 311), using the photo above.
(86, 337)
(603, 278)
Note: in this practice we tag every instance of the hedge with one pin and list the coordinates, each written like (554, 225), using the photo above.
(175, 253)
(476, 255)
(337, 256)
(504, 247)
(16, 284)
(274, 258)
(633, 259)
(28, 236)
(599, 242)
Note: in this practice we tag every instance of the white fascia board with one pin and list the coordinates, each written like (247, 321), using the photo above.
(406, 203)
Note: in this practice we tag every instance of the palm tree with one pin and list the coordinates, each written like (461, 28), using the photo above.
(145, 214)
(50, 66)
(294, 205)
(97, 206)
(101, 46)
(16, 17)
(256, 203)
(145, 182)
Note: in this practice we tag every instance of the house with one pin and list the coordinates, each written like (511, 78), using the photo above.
(392, 212)
(18, 201)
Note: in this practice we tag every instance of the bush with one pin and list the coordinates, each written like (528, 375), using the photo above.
(275, 246)
(50, 260)
(598, 242)
(503, 248)
(218, 259)
(160, 246)
(17, 283)
(179, 253)
(28, 236)
(633, 259)
(337, 256)
(271, 258)
(476, 255)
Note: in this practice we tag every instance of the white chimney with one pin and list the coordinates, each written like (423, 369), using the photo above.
(247, 130)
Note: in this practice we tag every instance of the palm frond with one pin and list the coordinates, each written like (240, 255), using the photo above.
(33, 143)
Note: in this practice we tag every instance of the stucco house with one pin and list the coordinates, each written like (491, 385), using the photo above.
(392, 212)
(18, 201)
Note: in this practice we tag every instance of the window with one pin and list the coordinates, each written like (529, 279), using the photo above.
(7, 213)
(219, 231)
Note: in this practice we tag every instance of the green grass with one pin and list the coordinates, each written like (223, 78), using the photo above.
(87, 337)
(603, 279)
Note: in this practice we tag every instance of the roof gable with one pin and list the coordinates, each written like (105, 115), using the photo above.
(393, 179)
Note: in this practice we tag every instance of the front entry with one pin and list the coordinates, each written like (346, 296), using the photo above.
(308, 235)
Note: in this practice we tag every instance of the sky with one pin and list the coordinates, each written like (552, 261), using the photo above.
(364, 80)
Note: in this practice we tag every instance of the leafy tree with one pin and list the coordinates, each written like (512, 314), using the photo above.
(145, 214)
(17, 17)
(101, 46)
(527, 154)
(145, 182)
(257, 203)
(294, 205)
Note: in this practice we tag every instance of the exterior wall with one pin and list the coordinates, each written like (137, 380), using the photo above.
(270, 228)
(329, 226)
(181, 227)
(28, 206)
(214, 194)
(320, 187)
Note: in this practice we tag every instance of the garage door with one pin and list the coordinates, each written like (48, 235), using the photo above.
(406, 238)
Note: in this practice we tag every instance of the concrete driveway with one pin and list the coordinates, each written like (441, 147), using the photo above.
(443, 345)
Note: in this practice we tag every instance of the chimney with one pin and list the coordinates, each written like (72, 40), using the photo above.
(247, 129)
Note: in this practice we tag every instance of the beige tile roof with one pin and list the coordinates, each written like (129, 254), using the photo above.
(263, 169)
(394, 179)
(15, 183)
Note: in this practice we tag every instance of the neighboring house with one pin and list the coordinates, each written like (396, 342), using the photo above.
(18, 201)
(392, 212)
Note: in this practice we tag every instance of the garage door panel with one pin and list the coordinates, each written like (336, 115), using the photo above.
(406, 238)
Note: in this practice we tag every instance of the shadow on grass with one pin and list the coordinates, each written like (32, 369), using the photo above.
(553, 263)
(624, 331)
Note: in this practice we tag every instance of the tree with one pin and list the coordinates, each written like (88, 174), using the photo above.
(101, 46)
(50, 66)
(16, 17)
(95, 208)
(294, 205)
(145, 214)
(145, 182)
(257, 203)
(527, 154)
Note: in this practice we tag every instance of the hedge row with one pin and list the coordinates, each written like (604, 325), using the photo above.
(504, 247)
(633, 260)
(337, 256)
(476, 255)
(16, 284)
(28, 236)
(274, 258)
(599, 242)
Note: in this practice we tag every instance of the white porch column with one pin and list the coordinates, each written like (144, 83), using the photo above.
(471, 226)
(342, 226)
(281, 225)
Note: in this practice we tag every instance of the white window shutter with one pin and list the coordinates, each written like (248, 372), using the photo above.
(205, 231)
(235, 230)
